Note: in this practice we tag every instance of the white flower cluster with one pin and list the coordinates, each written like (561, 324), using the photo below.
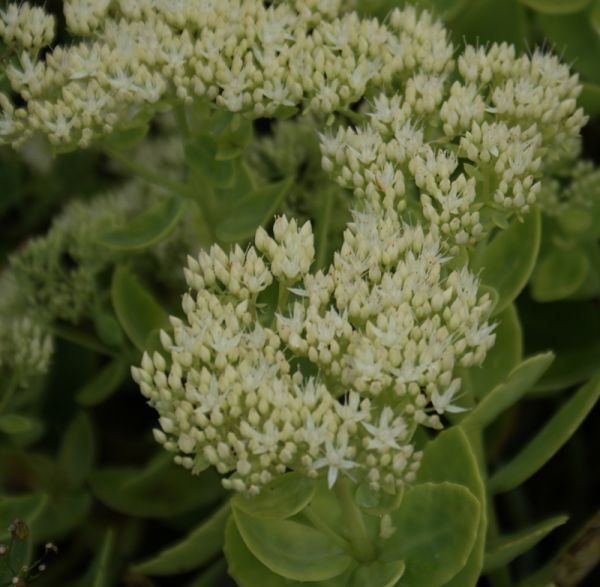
(385, 328)
(452, 149)
(141, 56)
(582, 191)
(26, 27)
(26, 347)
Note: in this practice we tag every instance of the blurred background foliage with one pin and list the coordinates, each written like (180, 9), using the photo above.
(77, 459)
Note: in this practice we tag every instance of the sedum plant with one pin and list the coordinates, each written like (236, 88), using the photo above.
(327, 387)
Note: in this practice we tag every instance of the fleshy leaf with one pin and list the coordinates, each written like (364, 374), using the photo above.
(77, 449)
(378, 574)
(137, 310)
(246, 215)
(436, 527)
(201, 156)
(100, 573)
(15, 424)
(549, 440)
(210, 576)
(503, 396)
(26, 507)
(507, 261)
(291, 549)
(556, 6)
(244, 567)
(103, 384)
(450, 458)
(558, 275)
(502, 358)
(147, 228)
(282, 498)
(503, 550)
(195, 550)
(161, 490)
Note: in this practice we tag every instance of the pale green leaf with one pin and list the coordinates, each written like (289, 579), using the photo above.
(201, 157)
(160, 490)
(77, 451)
(136, 308)
(291, 549)
(15, 424)
(247, 214)
(147, 228)
(378, 574)
(556, 6)
(502, 358)
(196, 549)
(103, 384)
(558, 275)
(507, 261)
(503, 550)
(451, 458)
(549, 440)
(436, 528)
(243, 565)
(26, 507)
(211, 577)
(510, 391)
(282, 498)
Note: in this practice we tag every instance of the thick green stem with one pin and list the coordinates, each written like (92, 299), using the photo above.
(358, 537)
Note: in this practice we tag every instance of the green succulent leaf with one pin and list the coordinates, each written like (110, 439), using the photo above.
(136, 308)
(26, 507)
(558, 275)
(212, 576)
(161, 490)
(549, 440)
(126, 138)
(378, 574)
(436, 528)
(103, 384)
(196, 549)
(247, 214)
(63, 513)
(451, 458)
(503, 550)
(574, 38)
(11, 424)
(244, 567)
(507, 261)
(101, 572)
(282, 498)
(77, 451)
(235, 138)
(291, 549)
(201, 156)
(502, 358)
(556, 6)
(503, 396)
(147, 228)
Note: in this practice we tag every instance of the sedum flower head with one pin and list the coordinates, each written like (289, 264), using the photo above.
(25, 27)
(26, 347)
(382, 331)
(458, 155)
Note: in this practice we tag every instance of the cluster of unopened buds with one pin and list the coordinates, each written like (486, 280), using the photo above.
(384, 328)
(357, 355)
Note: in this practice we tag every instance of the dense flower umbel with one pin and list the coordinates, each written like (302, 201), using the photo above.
(244, 56)
(385, 328)
(454, 148)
